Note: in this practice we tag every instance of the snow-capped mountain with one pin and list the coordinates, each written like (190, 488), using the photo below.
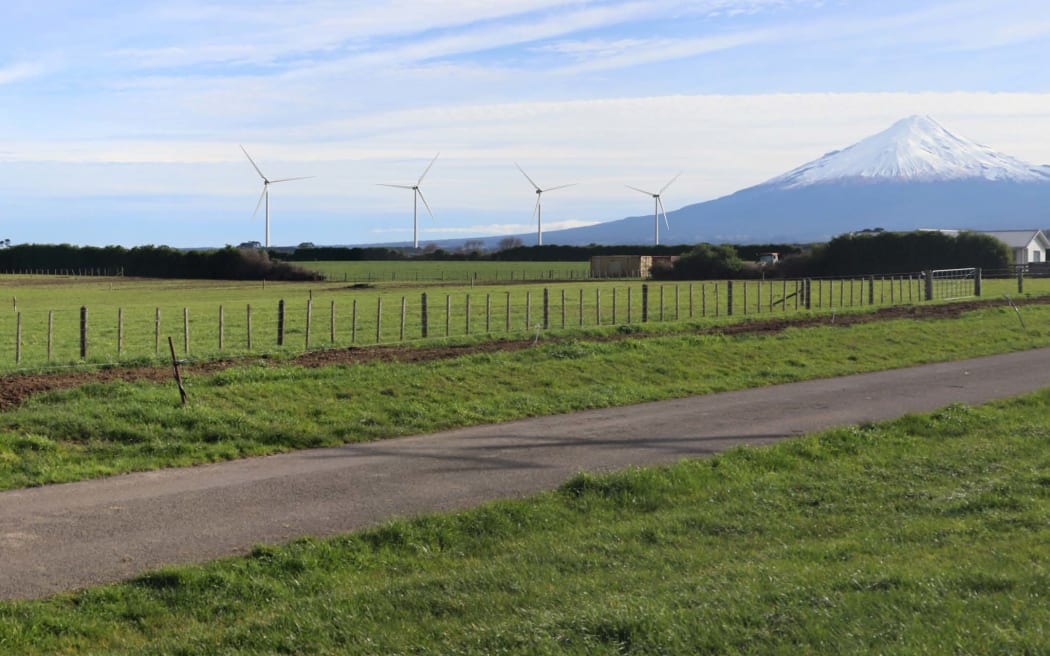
(916, 174)
(916, 148)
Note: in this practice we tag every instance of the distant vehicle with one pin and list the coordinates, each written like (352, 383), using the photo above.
(768, 258)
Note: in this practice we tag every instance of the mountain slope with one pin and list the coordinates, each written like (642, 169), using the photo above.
(916, 174)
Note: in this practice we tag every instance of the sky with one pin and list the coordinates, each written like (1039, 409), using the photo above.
(122, 122)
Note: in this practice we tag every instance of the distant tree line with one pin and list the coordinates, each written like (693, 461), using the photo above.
(227, 263)
(846, 255)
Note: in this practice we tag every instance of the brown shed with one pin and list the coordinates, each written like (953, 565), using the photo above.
(627, 266)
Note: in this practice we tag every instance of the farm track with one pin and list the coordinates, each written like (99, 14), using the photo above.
(16, 388)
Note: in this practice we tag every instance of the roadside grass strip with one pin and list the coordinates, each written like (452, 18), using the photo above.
(109, 428)
(924, 535)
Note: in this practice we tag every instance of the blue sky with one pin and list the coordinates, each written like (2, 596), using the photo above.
(120, 121)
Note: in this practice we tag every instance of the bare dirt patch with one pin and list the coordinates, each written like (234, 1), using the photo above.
(15, 388)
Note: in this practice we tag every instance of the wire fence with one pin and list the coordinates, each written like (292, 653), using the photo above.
(107, 335)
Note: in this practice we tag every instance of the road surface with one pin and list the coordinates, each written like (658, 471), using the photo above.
(64, 537)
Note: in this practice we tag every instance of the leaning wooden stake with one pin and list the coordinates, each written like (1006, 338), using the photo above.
(175, 368)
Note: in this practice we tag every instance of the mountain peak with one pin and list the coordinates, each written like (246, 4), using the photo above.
(916, 148)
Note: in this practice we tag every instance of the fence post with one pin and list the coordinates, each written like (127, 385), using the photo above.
(614, 306)
(156, 332)
(423, 315)
(508, 310)
(280, 322)
(528, 310)
(467, 322)
(546, 309)
(18, 338)
(488, 312)
(628, 304)
(120, 331)
(703, 300)
(928, 275)
(645, 303)
(729, 298)
(222, 327)
(744, 283)
(807, 286)
(581, 306)
(448, 315)
(83, 332)
(563, 308)
(309, 319)
(186, 330)
(402, 330)
(597, 306)
(871, 290)
(690, 300)
(977, 282)
(248, 319)
(1020, 281)
(379, 318)
(50, 332)
(331, 324)
(353, 322)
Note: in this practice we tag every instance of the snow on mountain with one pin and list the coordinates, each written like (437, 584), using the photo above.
(916, 148)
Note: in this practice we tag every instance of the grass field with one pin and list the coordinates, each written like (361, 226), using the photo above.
(925, 535)
(451, 271)
(123, 326)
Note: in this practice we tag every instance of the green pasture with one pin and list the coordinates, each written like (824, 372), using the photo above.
(210, 319)
(924, 535)
(451, 271)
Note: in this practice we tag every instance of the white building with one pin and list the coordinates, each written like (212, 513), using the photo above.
(1028, 246)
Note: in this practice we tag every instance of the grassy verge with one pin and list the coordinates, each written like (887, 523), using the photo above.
(103, 429)
(924, 535)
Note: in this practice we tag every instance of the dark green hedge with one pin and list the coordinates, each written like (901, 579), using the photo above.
(150, 262)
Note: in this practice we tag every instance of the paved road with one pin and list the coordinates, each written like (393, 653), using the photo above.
(63, 537)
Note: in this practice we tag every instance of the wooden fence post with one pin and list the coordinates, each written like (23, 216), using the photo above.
(222, 327)
(379, 318)
(83, 332)
(628, 304)
(645, 303)
(976, 283)
(18, 338)
(546, 309)
(729, 298)
(280, 322)
(424, 332)
(807, 286)
(928, 276)
(563, 308)
(448, 315)
(1020, 282)
(745, 297)
(331, 324)
(186, 330)
(466, 324)
(402, 331)
(353, 322)
(597, 306)
(581, 306)
(871, 290)
(614, 306)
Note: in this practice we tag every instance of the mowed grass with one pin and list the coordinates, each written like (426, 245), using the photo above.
(446, 271)
(261, 408)
(925, 535)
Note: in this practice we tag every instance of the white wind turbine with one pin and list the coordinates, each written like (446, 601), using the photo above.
(265, 196)
(658, 206)
(539, 210)
(417, 195)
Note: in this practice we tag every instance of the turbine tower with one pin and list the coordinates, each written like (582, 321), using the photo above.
(538, 212)
(266, 192)
(658, 206)
(417, 195)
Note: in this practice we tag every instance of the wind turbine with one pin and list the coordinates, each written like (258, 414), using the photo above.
(417, 195)
(539, 210)
(658, 206)
(266, 192)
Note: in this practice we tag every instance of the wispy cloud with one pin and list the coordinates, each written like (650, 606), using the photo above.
(20, 71)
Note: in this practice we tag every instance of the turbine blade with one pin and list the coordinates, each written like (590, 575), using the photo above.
(669, 183)
(259, 204)
(427, 169)
(536, 209)
(381, 184)
(531, 181)
(254, 166)
(661, 204)
(420, 192)
(560, 187)
(647, 193)
(290, 179)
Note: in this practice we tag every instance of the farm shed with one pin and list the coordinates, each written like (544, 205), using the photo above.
(1027, 246)
(628, 266)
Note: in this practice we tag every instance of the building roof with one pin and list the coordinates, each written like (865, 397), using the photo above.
(1018, 238)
